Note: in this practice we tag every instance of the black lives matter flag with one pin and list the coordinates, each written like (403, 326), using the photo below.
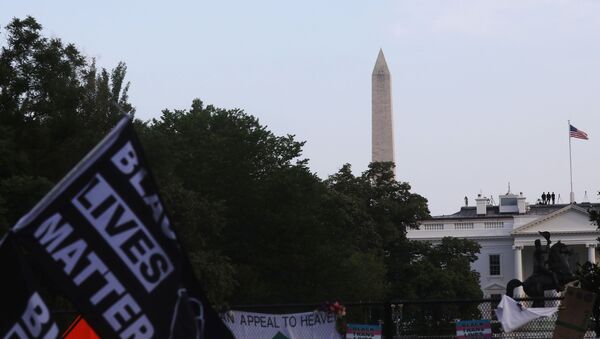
(104, 237)
(23, 312)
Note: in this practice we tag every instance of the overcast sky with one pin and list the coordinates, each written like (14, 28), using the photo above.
(482, 89)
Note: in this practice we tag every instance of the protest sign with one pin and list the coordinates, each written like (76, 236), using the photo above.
(473, 329)
(359, 331)
(574, 314)
(281, 326)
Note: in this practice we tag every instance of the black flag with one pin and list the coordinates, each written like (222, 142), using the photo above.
(104, 236)
(24, 313)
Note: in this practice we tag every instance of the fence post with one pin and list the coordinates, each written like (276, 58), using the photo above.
(388, 324)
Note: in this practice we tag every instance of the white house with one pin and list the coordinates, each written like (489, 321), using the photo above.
(506, 233)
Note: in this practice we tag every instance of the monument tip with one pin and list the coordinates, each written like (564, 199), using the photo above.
(381, 65)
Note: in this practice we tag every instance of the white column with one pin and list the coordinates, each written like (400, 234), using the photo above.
(518, 268)
(591, 253)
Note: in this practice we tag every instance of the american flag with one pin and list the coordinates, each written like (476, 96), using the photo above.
(575, 133)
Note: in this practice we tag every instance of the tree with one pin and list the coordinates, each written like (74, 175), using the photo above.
(588, 275)
(437, 271)
(226, 159)
(54, 105)
(389, 207)
(21, 192)
(285, 234)
(379, 210)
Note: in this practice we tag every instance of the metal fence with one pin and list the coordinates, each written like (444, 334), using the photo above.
(412, 319)
(429, 319)
(437, 319)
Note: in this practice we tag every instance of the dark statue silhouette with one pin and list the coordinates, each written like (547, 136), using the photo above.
(548, 274)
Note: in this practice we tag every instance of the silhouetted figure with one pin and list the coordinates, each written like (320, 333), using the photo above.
(543, 198)
(548, 198)
(466, 201)
(553, 196)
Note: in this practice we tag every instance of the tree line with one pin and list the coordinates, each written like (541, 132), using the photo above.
(259, 226)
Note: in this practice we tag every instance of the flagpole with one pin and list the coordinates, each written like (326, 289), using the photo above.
(572, 195)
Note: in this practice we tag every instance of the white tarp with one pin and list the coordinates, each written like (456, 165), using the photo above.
(512, 315)
(281, 326)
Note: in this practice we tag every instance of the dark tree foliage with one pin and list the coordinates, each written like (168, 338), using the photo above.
(439, 271)
(588, 275)
(258, 225)
(379, 211)
(382, 210)
(20, 194)
(442, 272)
(285, 235)
(54, 107)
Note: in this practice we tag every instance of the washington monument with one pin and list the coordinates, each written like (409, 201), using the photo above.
(382, 133)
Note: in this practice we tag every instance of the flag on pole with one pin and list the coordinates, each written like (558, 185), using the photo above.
(103, 235)
(576, 133)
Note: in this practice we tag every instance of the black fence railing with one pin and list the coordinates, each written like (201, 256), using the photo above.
(412, 319)
(437, 318)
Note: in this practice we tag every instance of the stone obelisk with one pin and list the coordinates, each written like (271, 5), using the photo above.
(382, 117)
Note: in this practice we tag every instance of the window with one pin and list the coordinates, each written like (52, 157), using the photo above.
(494, 264)
(508, 201)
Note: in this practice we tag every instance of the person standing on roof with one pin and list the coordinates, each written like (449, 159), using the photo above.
(543, 198)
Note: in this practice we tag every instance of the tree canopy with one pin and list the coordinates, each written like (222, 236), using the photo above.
(588, 275)
(260, 227)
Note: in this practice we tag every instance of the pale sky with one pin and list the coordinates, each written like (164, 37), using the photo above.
(482, 89)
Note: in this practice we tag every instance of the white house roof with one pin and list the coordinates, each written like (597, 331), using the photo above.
(569, 219)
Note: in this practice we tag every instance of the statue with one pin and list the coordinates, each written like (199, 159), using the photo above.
(540, 263)
(549, 273)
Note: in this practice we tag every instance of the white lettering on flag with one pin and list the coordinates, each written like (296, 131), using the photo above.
(126, 161)
(35, 317)
(124, 232)
(123, 315)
